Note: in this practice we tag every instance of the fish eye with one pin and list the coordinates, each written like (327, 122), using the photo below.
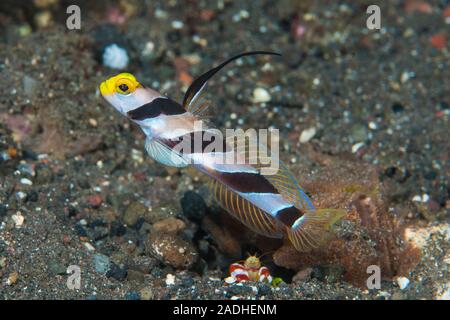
(125, 84)
(123, 87)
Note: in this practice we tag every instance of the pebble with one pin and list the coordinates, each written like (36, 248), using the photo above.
(135, 275)
(421, 198)
(2, 262)
(373, 125)
(137, 155)
(133, 212)
(176, 24)
(89, 246)
(116, 272)
(56, 268)
(12, 278)
(302, 275)
(146, 293)
(193, 206)
(24, 30)
(101, 262)
(98, 233)
(406, 75)
(92, 122)
(117, 229)
(26, 169)
(26, 181)
(133, 295)
(261, 95)
(21, 196)
(307, 134)
(43, 19)
(402, 282)
(80, 230)
(357, 146)
(169, 225)
(148, 50)
(18, 219)
(159, 213)
(170, 279)
(171, 250)
(115, 57)
(439, 41)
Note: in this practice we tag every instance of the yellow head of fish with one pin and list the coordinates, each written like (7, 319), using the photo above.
(123, 83)
(125, 93)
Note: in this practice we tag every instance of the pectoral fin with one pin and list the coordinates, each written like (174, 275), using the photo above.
(163, 154)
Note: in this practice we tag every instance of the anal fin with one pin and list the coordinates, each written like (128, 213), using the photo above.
(244, 211)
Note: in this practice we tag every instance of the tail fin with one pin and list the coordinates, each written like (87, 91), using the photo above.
(313, 228)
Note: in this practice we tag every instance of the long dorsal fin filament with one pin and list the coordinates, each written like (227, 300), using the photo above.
(199, 83)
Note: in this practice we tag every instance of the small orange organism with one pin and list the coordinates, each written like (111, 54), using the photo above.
(251, 270)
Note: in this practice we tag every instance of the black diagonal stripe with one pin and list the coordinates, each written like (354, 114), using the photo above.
(155, 108)
(289, 215)
(247, 182)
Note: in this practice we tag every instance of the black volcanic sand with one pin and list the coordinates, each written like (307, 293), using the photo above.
(76, 171)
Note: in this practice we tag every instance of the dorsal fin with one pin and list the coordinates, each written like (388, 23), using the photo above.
(199, 83)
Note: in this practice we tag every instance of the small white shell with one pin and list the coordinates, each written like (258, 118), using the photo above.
(170, 279)
(307, 134)
(402, 282)
(261, 95)
(115, 57)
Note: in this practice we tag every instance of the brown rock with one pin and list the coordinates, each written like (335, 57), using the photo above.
(302, 275)
(12, 278)
(169, 225)
(133, 212)
(135, 275)
(171, 249)
(159, 213)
